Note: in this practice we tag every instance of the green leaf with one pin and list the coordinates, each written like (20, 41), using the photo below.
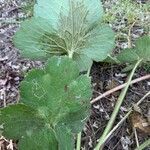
(128, 67)
(20, 120)
(141, 51)
(46, 84)
(127, 55)
(58, 93)
(52, 10)
(70, 28)
(38, 40)
(143, 48)
(43, 140)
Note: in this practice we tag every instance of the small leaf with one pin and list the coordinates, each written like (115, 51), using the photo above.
(83, 61)
(19, 120)
(141, 51)
(112, 60)
(128, 68)
(143, 48)
(127, 55)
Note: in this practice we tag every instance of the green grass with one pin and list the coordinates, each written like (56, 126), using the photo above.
(128, 10)
(27, 8)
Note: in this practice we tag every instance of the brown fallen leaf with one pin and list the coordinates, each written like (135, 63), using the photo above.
(139, 122)
(112, 84)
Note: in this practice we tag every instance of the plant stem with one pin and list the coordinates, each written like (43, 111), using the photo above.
(88, 72)
(78, 141)
(79, 134)
(119, 88)
(116, 109)
(70, 54)
(144, 145)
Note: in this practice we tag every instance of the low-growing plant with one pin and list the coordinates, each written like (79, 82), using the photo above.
(54, 101)
(130, 56)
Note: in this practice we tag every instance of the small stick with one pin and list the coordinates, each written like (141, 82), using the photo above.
(136, 137)
(119, 88)
(141, 100)
(129, 35)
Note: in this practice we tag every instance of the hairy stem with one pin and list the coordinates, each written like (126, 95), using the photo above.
(78, 141)
(79, 134)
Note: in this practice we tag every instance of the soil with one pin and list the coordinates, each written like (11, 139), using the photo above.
(104, 77)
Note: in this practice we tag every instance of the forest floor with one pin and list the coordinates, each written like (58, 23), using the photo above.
(104, 77)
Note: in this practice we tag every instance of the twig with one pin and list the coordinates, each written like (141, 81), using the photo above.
(136, 137)
(119, 88)
(10, 146)
(141, 100)
(129, 35)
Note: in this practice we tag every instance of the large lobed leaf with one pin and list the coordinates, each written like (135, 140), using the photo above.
(66, 27)
(55, 104)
